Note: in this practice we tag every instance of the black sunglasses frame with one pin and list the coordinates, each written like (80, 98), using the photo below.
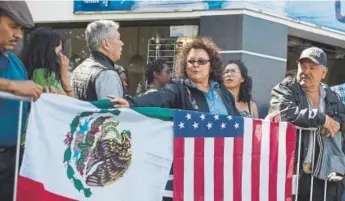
(199, 62)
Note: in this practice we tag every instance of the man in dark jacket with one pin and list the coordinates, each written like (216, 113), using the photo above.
(98, 76)
(306, 102)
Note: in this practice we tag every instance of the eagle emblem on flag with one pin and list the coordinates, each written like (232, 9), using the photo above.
(97, 153)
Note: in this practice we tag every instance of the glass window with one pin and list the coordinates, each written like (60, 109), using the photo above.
(74, 45)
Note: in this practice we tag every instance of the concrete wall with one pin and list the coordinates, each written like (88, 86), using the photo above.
(260, 44)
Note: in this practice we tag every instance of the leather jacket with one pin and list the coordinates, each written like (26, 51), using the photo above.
(289, 98)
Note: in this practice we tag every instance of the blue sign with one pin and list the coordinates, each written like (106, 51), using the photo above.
(98, 6)
(330, 14)
(340, 17)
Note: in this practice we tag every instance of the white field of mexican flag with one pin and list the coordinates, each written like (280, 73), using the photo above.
(79, 150)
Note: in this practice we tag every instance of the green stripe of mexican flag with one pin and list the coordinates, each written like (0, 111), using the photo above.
(79, 150)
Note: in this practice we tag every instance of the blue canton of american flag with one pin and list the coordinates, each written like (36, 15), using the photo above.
(191, 124)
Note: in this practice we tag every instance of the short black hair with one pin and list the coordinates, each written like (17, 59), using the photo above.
(39, 52)
(154, 66)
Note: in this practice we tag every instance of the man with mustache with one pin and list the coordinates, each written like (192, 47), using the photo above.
(307, 102)
(14, 15)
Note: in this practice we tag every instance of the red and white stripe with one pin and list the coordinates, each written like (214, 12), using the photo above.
(257, 167)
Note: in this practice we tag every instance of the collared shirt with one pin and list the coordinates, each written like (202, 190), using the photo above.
(321, 107)
(150, 89)
(9, 109)
(109, 81)
(340, 90)
(214, 101)
(321, 99)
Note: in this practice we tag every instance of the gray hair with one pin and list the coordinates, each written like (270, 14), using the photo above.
(99, 30)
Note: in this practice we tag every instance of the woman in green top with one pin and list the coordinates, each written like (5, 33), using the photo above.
(45, 63)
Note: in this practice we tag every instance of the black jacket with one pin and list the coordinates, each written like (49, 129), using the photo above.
(289, 98)
(182, 95)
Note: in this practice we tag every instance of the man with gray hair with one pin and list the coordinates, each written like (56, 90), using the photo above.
(307, 102)
(97, 76)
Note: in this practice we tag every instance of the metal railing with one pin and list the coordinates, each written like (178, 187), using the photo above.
(331, 177)
(300, 131)
(21, 99)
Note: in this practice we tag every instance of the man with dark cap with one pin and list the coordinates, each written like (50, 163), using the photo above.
(14, 16)
(308, 103)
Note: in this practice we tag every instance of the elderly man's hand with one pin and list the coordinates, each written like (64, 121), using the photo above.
(274, 116)
(331, 126)
(118, 102)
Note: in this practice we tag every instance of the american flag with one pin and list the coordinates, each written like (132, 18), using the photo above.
(228, 158)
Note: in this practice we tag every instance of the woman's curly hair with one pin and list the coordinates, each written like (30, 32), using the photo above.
(213, 52)
(245, 94)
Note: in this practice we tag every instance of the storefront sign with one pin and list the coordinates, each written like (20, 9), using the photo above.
(330, 14)
(99, 6)
(187, 30)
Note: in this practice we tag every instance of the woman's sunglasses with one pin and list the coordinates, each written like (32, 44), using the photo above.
(4, 62)
(199, 62)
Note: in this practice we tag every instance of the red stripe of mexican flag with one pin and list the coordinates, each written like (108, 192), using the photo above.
(29, 189)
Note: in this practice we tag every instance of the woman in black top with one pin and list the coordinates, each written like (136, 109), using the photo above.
(199, 67)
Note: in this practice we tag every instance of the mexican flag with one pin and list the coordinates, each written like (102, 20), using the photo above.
(79, 150)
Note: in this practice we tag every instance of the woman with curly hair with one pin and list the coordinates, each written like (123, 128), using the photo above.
(199, 67)
(239, 83)
(45, 63)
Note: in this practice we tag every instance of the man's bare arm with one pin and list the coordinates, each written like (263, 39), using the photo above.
(4, 84)
(21, 88)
